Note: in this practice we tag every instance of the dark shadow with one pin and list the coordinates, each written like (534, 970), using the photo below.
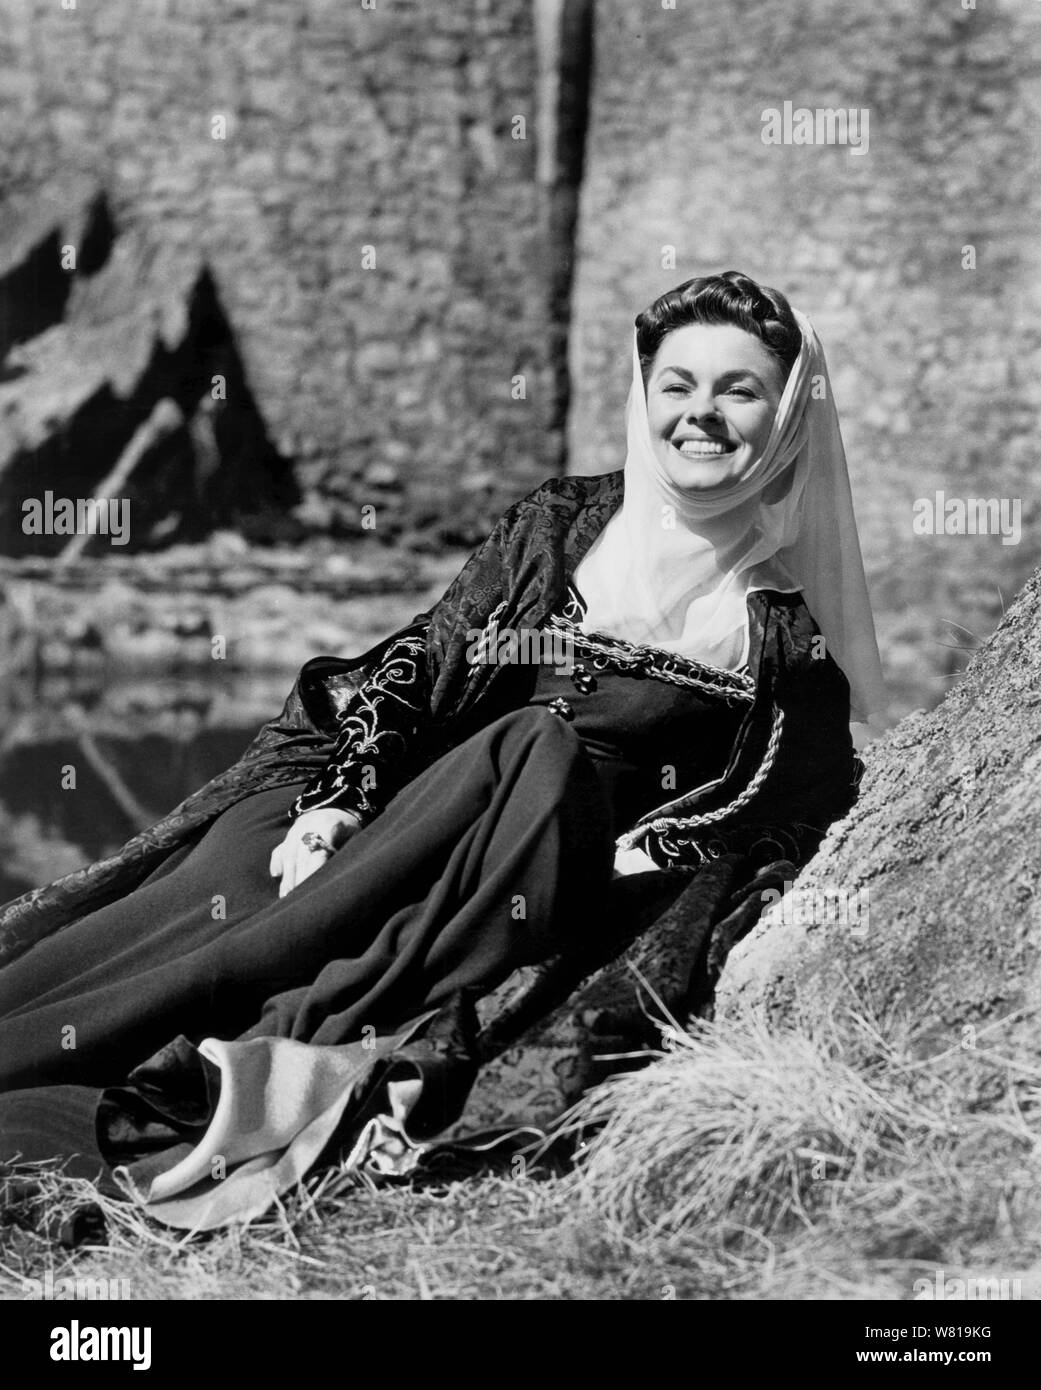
(219, 470)
(99, 237)
(33, 294)
(572, 123)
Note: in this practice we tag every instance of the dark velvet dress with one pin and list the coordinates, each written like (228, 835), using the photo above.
(496, 855)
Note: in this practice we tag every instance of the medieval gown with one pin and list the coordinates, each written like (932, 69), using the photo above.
(487, 844)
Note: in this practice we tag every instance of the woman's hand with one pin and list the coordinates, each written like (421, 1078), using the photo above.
(293, 860)
(633, 861)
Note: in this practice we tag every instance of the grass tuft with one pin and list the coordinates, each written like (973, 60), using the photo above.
(838, 1140)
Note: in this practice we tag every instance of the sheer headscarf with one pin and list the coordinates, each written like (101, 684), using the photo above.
(673, 569)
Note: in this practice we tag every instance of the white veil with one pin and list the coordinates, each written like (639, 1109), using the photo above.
(673, 569)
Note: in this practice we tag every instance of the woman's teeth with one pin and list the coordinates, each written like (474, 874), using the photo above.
(698, 448)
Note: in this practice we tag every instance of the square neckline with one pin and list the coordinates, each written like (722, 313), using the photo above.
(741, 675)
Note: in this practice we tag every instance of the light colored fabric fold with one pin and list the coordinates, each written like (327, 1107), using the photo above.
(279, 1105)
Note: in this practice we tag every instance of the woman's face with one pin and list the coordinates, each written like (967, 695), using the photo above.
(712, 394)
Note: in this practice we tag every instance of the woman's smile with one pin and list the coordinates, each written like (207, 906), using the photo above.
(712, 394)
(698, 446)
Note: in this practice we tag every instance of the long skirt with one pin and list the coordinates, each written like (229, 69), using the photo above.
(495, 856)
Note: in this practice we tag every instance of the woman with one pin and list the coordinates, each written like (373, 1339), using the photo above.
(424, 820)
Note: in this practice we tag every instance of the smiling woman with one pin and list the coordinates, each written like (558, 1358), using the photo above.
(425, 819)
(712, 401)
(735, 482)
(714, 356)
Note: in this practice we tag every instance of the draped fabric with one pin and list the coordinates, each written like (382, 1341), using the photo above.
(520, 572)
(527, 555)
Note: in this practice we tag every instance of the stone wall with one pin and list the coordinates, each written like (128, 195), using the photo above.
(347, 126)
(397, 386)
(937, 369)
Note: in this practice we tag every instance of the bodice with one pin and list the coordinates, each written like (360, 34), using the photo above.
(652, 723)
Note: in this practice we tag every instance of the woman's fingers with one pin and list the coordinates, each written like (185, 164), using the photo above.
(299, 863)
(275, 866)
(288, 874)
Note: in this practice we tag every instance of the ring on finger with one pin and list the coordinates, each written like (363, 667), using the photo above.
(311, 840)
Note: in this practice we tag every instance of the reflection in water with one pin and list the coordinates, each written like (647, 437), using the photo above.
(83, 769)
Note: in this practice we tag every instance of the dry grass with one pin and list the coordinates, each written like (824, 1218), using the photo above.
(741, 1164)
(833, 1155)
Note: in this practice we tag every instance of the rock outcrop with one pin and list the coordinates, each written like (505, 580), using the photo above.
(943, 850)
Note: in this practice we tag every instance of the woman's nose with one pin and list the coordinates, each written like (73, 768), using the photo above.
(701, 408)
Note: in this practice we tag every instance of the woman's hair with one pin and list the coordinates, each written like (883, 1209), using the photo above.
(730, 298)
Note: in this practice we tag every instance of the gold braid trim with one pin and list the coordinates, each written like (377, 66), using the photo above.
(667, 666)
(488, 634)
(662, 823)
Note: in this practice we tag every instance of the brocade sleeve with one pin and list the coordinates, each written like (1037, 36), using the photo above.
(376, 729)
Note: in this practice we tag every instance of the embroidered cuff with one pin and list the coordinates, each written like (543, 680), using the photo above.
(376, 729)
(762, 843)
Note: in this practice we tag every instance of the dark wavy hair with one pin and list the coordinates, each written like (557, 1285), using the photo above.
(730, 298)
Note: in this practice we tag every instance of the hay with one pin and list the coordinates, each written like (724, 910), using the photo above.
(743, 1135)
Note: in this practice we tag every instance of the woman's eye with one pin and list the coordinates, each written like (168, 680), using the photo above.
(741, 391)
(675, 387)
